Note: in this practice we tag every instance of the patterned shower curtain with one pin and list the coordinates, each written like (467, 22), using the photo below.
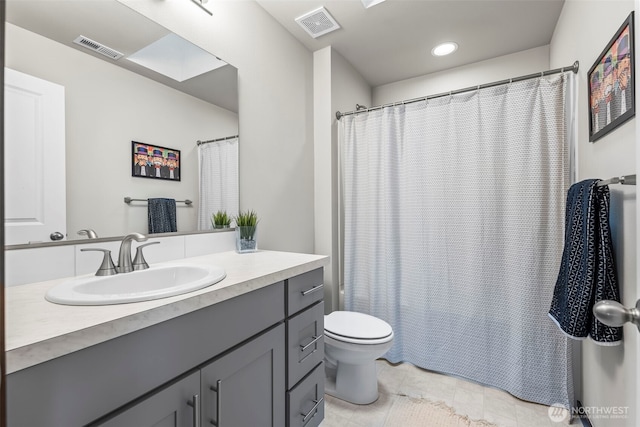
(218, 180)
(453, 231)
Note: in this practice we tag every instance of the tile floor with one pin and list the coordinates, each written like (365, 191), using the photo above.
(403, 381)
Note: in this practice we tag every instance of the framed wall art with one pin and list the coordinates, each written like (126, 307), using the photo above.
(611, 82)
(154, 161)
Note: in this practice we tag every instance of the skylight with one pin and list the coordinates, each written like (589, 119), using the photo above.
(176, 58)
(370, 3)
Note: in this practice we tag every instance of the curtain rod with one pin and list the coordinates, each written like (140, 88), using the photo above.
(573, 68)
(217, 139)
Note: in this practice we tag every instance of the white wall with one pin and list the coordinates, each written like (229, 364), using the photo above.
(275, 85)
(106, 108)
(583, 31)
(491, 70)
(337, 87)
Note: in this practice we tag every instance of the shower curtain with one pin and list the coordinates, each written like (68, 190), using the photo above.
(453, 231)
(218, 180)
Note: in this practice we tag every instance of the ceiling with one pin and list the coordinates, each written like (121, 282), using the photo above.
(393, 40)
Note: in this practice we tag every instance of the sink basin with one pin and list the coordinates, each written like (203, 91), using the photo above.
(153, 283)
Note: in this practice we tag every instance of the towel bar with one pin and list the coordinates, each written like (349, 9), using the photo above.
(128, 200)
(624, 180)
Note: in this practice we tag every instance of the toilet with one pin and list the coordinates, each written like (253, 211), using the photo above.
(352, 343)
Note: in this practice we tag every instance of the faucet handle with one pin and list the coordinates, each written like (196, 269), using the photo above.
(139, 263)
(107, 268)
(90, 233)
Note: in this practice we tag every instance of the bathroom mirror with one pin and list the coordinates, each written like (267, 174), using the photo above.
(108, 103)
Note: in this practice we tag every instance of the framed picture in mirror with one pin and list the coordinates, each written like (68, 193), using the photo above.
(154, 161)
(611, 84)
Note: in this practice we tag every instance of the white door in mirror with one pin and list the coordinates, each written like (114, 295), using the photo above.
(34, 163)
(154, 283)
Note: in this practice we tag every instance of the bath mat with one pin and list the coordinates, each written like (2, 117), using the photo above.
(411, 412)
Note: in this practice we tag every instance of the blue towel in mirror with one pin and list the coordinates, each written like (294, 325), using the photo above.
(162, 216)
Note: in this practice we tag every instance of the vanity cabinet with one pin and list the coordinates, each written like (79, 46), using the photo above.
(305, 350)
(252, 360)
(102, 381)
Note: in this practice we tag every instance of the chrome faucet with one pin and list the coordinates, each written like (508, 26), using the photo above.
(90, 233)
(125, 264)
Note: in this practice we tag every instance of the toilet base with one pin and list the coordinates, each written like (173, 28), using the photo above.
(355, 383)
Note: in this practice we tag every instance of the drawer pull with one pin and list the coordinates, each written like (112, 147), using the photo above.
(195, 404)
(309, 291)
(307, 356)
(218, 391)
(313, 341)
(308, 414)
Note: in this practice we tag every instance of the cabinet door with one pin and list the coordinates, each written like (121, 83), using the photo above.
(246, 387)
(177, 405)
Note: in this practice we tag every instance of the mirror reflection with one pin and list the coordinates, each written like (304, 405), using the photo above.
(73, 110)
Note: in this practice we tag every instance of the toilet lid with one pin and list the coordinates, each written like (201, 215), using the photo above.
(358, 326)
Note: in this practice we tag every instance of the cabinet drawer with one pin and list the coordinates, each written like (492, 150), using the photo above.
(305, 403)
(305, 342)
(304, 290)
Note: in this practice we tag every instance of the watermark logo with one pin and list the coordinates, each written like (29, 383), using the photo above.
(559, 413)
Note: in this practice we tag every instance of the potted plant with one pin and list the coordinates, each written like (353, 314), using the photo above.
(246, 228)
(220, 219)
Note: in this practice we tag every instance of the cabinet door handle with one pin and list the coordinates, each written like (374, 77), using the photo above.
(306, 416)
(195, 404)
(309, 291)
(313, 341)
(218, 390)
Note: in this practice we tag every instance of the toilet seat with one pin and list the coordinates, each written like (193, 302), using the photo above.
(357, 328)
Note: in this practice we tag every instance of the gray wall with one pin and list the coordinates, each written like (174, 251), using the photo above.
(609, 374)
(337, 87)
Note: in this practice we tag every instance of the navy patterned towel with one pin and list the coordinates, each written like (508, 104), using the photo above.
(587, 271)
(162, 215)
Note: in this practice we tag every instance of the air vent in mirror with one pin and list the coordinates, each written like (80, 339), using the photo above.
(98, 47)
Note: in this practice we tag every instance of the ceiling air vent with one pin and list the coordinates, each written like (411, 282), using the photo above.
(98, 47)
(318, 22)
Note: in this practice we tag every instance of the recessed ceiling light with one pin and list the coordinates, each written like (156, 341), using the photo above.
(444, 49)
(370, 3)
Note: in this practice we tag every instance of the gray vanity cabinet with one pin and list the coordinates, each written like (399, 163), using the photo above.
(246, 386)
(305, 350)
(174, 406)
(250, 361)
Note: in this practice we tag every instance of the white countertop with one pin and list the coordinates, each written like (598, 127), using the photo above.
(38, 331)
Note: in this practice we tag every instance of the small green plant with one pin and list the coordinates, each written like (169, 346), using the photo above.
(220, 219)
(247, 222)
